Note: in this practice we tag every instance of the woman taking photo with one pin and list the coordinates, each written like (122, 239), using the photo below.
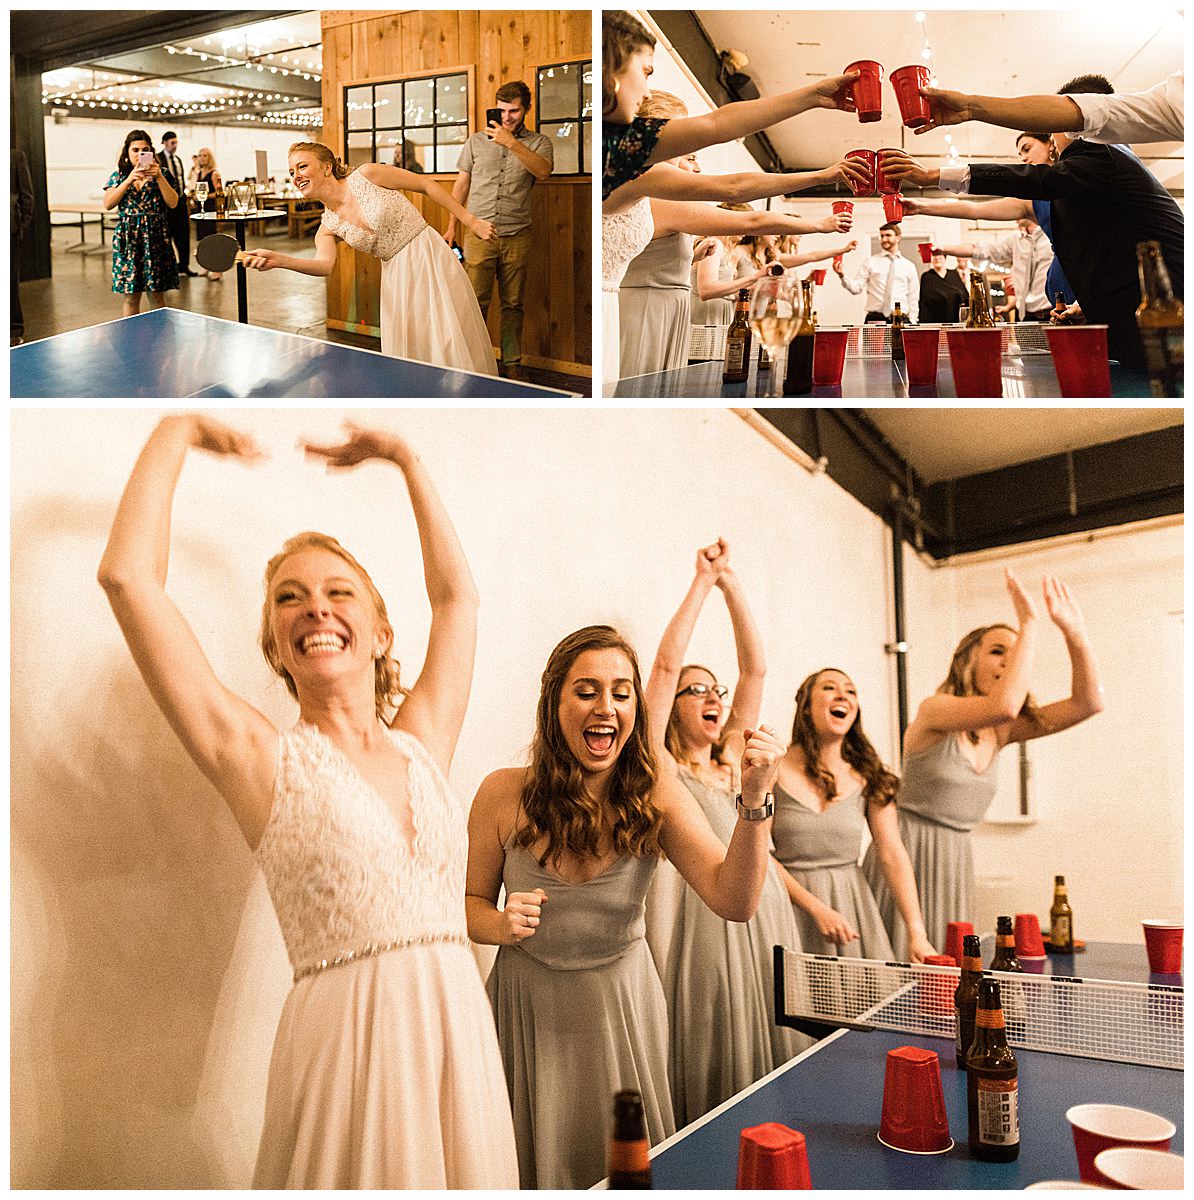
(142, 258)
(385, 1070)
(428, 309)
(831, 784)
(709, 965)
(574, 839)
(951, 747)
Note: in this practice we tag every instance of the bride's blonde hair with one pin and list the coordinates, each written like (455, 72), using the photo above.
(321, 152)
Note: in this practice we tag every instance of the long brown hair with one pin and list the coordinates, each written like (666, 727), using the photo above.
(671, 735)
(621, 36)
(879, 784)
(554, 797)
(960, 679)
(387, 688)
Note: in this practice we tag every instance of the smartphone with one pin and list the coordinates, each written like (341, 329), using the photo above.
(493, 116)
(145, 158)
(458, 252)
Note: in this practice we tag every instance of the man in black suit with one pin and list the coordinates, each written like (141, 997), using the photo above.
(941, 292)
(178, 219)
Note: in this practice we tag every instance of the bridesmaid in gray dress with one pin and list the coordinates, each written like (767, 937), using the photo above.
(831, 784)
(709, 965)
(574, 839)
(952, 744)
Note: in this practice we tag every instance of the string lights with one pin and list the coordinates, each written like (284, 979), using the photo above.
(927, 55)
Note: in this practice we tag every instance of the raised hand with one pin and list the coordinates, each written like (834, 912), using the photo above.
(705, 247)
(1062, 608)
(849, 171)
(522, 915)
(760, 763)
(835, 92)
(854, 245)
(945, 108)
(361, 445)
(837, 223)
(1021, 601)
(217, 438)
(712, 560)
(905, 169)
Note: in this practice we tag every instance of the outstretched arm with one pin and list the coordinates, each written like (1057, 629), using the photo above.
(230, 741)
(399, 179)
(1036, 114)
(673, 216)
(897, 868)
(1007, 209)
(752, 661)
(801, 260)
(320, 265)
(434, 709)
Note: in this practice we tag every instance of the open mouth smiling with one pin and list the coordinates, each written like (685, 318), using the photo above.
(322, 642)
(599, 739)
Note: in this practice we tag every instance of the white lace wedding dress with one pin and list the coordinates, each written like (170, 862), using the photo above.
(624, 235)
(429, 311)
(385, 1071)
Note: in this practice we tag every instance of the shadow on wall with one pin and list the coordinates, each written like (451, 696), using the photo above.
(130, 883)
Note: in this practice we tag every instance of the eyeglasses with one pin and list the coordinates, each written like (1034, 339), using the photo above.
(703, 689)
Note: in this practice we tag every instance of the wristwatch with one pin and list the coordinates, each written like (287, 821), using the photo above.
(765, 810)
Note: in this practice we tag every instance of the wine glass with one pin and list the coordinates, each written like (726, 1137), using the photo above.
(201, 192)
(776, 310)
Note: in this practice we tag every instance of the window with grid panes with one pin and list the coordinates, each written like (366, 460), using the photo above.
(420, 123)
(564, 108)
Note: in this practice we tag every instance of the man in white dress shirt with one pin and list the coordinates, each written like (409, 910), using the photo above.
(888, 277)
(1155, 115)
(1029, 255)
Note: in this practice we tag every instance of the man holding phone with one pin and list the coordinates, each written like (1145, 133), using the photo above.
(497, 169)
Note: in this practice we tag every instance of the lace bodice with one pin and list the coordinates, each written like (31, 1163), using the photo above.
(624, 235)
(341, 874)
(393, 219)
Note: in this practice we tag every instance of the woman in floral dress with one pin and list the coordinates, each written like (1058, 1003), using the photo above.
(142, 257)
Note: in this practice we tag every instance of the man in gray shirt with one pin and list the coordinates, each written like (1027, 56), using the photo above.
(498, 167)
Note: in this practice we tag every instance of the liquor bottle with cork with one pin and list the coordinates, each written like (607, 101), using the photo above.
(737, 362)
(1061, 919)
(898, 321)
(992, 1079)
(1160, 318)
(629, 1161)
(1005, 946)
(966, 996)
(798, 378)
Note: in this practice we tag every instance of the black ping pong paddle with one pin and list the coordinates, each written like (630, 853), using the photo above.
(217, 252)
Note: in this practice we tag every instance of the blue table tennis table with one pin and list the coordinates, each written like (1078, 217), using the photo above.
(833, 1094)
(169, 352)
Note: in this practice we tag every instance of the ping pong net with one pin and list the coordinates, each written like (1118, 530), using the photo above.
(1092, 1018)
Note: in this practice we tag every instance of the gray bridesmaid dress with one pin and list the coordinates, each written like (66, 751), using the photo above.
(718, 978)
(654, 302)
(942, 797)
(720, 310)
(580, 1015)
(821, 850)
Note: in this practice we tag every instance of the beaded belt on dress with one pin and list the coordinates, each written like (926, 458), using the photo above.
(375, 948)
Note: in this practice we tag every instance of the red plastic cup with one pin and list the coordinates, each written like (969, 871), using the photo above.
(893, 206)
(867, 92)
(955, 931)
(1080, 362)
(844, 206)
(772, 1156)
(975, 355)
(1131, 1169)
(837, 261)
(829, 356)
(866, 158)
(926, 251)
(819, 276)
(1029, 943)
(1163, 940)
(1099, 1127)
(937, 991)
(907, 82)
(921, 344)
(914, 1118)
(883, 185)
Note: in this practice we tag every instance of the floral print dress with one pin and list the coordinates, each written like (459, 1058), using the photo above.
(625, 150)
(142, 257)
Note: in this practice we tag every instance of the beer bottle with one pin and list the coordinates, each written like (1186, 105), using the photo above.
(979, 316)
(1061, 919)
(897, 334)
(737, 363)
(1005, 946)
(798, 378)
(629, 1163)
(1160, 317)
(966, 996)
(1057, 316)
(991, 1082)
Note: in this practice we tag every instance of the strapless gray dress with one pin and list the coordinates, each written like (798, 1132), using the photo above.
(942, 797)
(821, 851)
(580, 1015)
(718, 978)
(654, 302)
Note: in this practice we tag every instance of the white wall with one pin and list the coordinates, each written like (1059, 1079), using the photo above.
(81, 153)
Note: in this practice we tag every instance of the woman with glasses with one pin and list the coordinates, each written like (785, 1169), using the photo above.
(709, 965)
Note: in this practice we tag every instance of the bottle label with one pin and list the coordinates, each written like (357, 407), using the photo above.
(998, 1112)
(735, 353)
(1061, 934)
(1164, 358)
(972, 964)
(989, 1018)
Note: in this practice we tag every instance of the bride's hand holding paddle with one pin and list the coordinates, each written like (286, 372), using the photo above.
(260, 260)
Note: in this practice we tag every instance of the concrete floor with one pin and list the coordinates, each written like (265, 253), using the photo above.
(79, 293)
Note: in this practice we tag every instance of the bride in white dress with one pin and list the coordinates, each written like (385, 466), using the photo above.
(429, 311)
(385, 1070)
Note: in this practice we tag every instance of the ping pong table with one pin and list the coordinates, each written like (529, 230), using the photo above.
(833, 1094)
(169, 352)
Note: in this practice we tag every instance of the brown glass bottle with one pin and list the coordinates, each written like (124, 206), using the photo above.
(1161, 319)
(1061, 919)
(966, 996)
(629, 1161)
(979, 316)
(992, 1079)
(737, 362)
(1057, 316)
(1005, 946)
(798, 378)
(898, 320)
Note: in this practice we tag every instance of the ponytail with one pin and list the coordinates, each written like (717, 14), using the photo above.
(339, 169)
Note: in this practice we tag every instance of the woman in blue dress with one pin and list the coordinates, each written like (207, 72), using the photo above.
(142, 258)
